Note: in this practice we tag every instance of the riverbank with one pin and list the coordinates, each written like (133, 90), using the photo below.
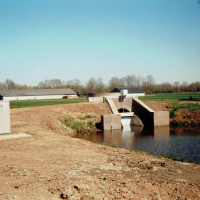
(52, 165)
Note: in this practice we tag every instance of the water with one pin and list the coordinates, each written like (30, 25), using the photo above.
(181, 142)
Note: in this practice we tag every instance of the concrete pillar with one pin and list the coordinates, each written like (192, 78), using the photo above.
(111, 121)
(4, 117)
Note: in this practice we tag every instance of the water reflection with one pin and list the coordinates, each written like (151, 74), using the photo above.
(181, 142)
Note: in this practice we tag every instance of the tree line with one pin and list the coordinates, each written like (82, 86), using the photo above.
(147, 84)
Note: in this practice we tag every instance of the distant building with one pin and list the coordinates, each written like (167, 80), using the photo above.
(132, 91)
(37, 94)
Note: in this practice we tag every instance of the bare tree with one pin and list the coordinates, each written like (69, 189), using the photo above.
(77, 85)
(176, 86)
(113, 83)
(99, 85)
(148, 85)
(130, 80)
(9, 84)
(139, 81)
(121, 82)
(1, 86)
(91, 85)
(166, 87)
(51, 83)
(184, 86)
(55, 83)
(43, 84)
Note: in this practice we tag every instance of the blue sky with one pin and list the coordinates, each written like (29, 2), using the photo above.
(68, 39)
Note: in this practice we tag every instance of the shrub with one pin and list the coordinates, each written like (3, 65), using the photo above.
(187, 116)
(91, 124)
(79, 127)
(68, 122)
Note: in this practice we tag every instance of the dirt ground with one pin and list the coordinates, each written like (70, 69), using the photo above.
(51, 165)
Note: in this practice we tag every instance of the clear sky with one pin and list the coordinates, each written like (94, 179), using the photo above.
(68, 39)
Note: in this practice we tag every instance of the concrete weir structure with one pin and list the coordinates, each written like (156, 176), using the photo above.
(132, 112)
(4, 117)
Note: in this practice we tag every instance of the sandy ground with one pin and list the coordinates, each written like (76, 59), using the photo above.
(52, 165)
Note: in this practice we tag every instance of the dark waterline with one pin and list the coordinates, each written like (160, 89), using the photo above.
(181, 142)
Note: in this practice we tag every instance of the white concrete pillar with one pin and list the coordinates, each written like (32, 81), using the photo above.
(4, 117)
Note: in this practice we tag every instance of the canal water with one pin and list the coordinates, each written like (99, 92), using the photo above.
(181, 142)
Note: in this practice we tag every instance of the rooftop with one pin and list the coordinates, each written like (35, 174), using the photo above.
(36, 92)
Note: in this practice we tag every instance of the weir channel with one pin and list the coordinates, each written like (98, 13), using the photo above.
(137, 114)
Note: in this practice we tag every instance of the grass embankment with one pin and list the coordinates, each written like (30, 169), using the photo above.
(80, 125)
(171, 97)
(44, 102)
(185, 114)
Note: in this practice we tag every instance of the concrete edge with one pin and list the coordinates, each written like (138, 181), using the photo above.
(13, 136)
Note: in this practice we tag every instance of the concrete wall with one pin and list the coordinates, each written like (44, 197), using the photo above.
(37, 97)
(148, 116)
(143, 112)
(125, 103)
(107, 94)
(91, 99)
(161, 118)
(4, 117)
(111, 121)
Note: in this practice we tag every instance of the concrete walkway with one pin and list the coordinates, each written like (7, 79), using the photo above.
(12, 136)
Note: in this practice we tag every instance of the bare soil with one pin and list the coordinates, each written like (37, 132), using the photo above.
(51, 165)
(157, 106)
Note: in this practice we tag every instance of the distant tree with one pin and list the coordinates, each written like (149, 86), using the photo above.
(74, 85)
(130, 81)
(100, 87)
(184, 86)
(113, 83)
(194, 87)
(43, 84)
(176, 87)
(166, 87)
(139, 81)
(51, 84)
(91, 85)
(148, 84)
(121, 82)
(1, 86)
(25, 87)
(55, 83)
(9, 84)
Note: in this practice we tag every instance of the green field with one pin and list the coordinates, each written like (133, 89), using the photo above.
(44, 102)
(170, 97)
(157, 97)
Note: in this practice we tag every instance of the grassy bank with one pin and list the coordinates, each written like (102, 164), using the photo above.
(43, 102)
(171, 97)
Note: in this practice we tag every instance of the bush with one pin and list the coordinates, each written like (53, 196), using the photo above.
(91, 124)
(78, 126)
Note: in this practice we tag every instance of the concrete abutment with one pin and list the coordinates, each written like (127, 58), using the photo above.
(4, 117)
